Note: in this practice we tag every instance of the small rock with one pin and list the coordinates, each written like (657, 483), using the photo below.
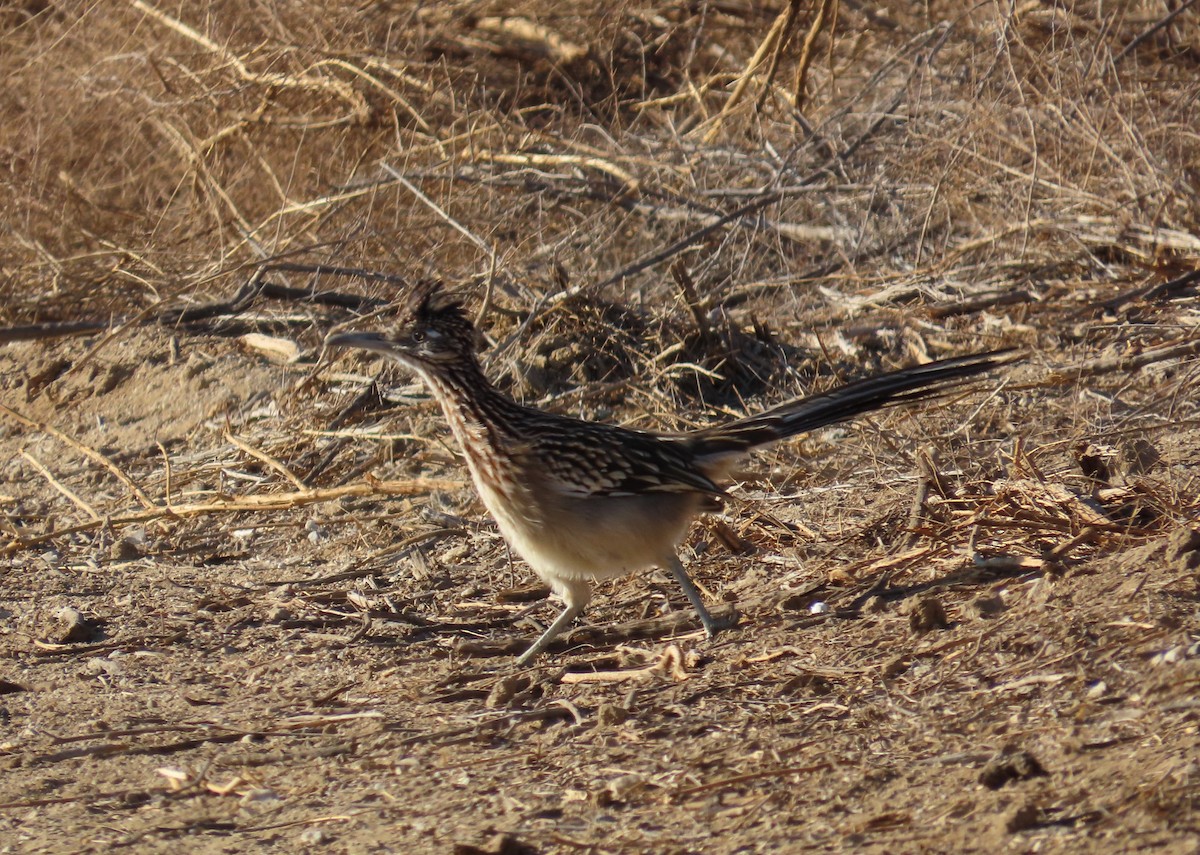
(316, 532)
(74, 627)
(1169, 656)
(110, 378)
(260, 797)
(454, 554)
(195, 364)
(98, 665)
(315, 837)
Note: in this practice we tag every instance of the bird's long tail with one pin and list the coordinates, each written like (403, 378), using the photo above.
(920, 382)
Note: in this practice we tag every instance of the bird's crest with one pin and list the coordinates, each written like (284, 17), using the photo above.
(437, 317)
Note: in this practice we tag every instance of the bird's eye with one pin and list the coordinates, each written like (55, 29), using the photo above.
(418, 336)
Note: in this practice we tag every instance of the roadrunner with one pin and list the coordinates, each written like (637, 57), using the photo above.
(582, 501)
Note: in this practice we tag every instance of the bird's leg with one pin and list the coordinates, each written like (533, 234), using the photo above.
(711, 625)
(577, 596)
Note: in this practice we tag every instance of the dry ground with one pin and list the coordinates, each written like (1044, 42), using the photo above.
(249, 603)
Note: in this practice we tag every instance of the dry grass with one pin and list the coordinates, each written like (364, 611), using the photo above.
(664, 214)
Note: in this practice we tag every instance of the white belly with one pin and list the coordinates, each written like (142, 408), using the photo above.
(569, 539)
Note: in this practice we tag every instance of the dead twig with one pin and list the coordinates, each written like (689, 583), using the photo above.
(272, 502)
(684, 279)
(670, 665)
(263, 457)
(1150, 292)
(276, 80)
(683, 243)
(441, 212)
(1162, 23)
(257, 286)
(86, 450)
(773, 43)
(806, 52)
(1126, 363)
(61, 487)
(213, 734)
(753, 776)
(548, 713)
(40, 332)
(793, 12)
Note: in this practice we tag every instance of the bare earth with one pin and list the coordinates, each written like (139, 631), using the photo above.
(249, 601)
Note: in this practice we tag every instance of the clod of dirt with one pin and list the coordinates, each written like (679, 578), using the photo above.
(128, 548)
(1183, 549)
(104, 379)
(875, 604)
(896, 666)
(1023, 818)
(807, 684)
(1095, 461)
(925, 614)
(46, 375)
(506, 689)
(797, 602)
(1139, 457)
(618, 790)
(986, 606)
(611, 715)
(1017, 766)
(74, 627)
(500, 844)
(524, 594)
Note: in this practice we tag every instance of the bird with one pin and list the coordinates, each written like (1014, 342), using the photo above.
(585, 501)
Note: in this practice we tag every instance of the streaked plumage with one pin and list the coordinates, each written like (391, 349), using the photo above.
(582, 501)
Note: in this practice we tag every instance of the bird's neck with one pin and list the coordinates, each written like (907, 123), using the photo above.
(477, 411)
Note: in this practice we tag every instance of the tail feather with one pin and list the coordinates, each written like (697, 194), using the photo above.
(861, 396)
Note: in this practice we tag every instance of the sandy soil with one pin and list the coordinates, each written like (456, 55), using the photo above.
(250, 602)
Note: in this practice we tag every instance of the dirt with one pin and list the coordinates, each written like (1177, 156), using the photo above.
(248, 603)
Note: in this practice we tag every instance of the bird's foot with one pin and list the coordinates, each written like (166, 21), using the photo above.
(721, 622)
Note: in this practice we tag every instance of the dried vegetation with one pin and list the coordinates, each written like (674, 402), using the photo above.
(248, 599)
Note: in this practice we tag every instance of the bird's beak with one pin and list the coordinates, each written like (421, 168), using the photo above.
(361, 340)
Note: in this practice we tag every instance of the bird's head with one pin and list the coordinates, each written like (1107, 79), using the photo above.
(433, 332)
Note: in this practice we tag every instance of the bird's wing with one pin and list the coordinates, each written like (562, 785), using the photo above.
(605, 460)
